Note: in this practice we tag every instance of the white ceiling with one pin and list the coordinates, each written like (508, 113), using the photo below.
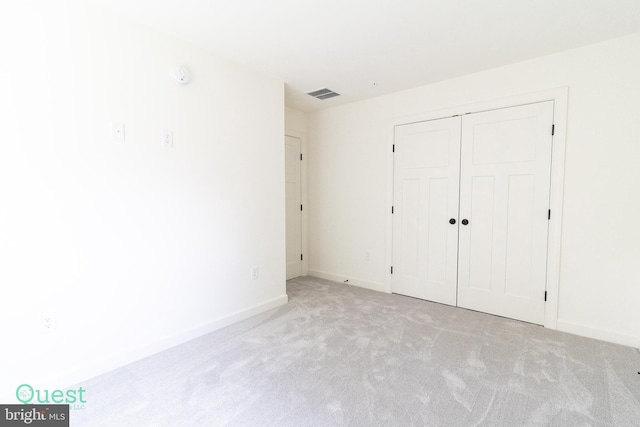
(348, 45)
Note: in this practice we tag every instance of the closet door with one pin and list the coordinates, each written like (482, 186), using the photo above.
(504, 202)
(293, 213)
(425, 228)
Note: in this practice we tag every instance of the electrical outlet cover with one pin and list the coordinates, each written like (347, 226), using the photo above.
(49, 322)
(167, 139)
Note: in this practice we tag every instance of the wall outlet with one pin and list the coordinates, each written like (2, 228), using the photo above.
(49, 322)
(167, 139)
(254, 273)
(367, 256)
(117, 132)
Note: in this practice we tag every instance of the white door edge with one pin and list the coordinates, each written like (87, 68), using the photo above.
(304, 195)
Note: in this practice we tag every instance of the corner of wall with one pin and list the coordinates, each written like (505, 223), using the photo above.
(597, 333)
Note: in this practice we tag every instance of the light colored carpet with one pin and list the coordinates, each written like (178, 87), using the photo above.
(337, 355)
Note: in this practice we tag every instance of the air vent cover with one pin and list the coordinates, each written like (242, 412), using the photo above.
(323, 93)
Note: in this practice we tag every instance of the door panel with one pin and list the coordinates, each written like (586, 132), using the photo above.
(481, 240)
(426, 180)
(292, 211)
(409, 204)
(520, 228)
(505, 142)
(504, 194)
(437, 232)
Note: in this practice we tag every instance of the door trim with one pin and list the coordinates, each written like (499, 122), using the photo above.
(560, 97)
(304, 222)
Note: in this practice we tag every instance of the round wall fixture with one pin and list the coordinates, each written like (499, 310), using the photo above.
(180, 75)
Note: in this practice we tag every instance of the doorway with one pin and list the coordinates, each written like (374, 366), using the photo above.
(293, 206)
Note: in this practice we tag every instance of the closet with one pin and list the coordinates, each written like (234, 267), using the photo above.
(471, 210)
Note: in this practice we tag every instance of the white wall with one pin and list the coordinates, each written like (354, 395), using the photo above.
(295, 120)
(131, 246)
(599, 292)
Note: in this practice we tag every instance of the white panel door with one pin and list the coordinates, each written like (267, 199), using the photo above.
(504, 201)
(293, 207)
(426, 177)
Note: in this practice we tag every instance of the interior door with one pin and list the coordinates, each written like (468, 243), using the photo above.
(293, 206)
(504, 202)
(426, 177)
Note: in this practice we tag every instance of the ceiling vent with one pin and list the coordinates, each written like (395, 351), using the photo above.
(323, 93)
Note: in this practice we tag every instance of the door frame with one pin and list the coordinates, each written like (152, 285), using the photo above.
(560, 97)
(304, 222)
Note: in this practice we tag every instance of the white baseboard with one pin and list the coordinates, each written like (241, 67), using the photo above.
(563, 325)
(598, 333)
(380, 287)
(114, 361)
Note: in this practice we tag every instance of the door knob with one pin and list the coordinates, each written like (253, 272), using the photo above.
(452, 221)
(465, 221)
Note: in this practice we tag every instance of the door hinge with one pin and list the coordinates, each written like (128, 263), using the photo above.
(391, 209)
(553, 129)
(549, 214)
(545, 296)
(301, 257)
(300, 156)
(391, 269)
(393, 148)
(301, 207)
